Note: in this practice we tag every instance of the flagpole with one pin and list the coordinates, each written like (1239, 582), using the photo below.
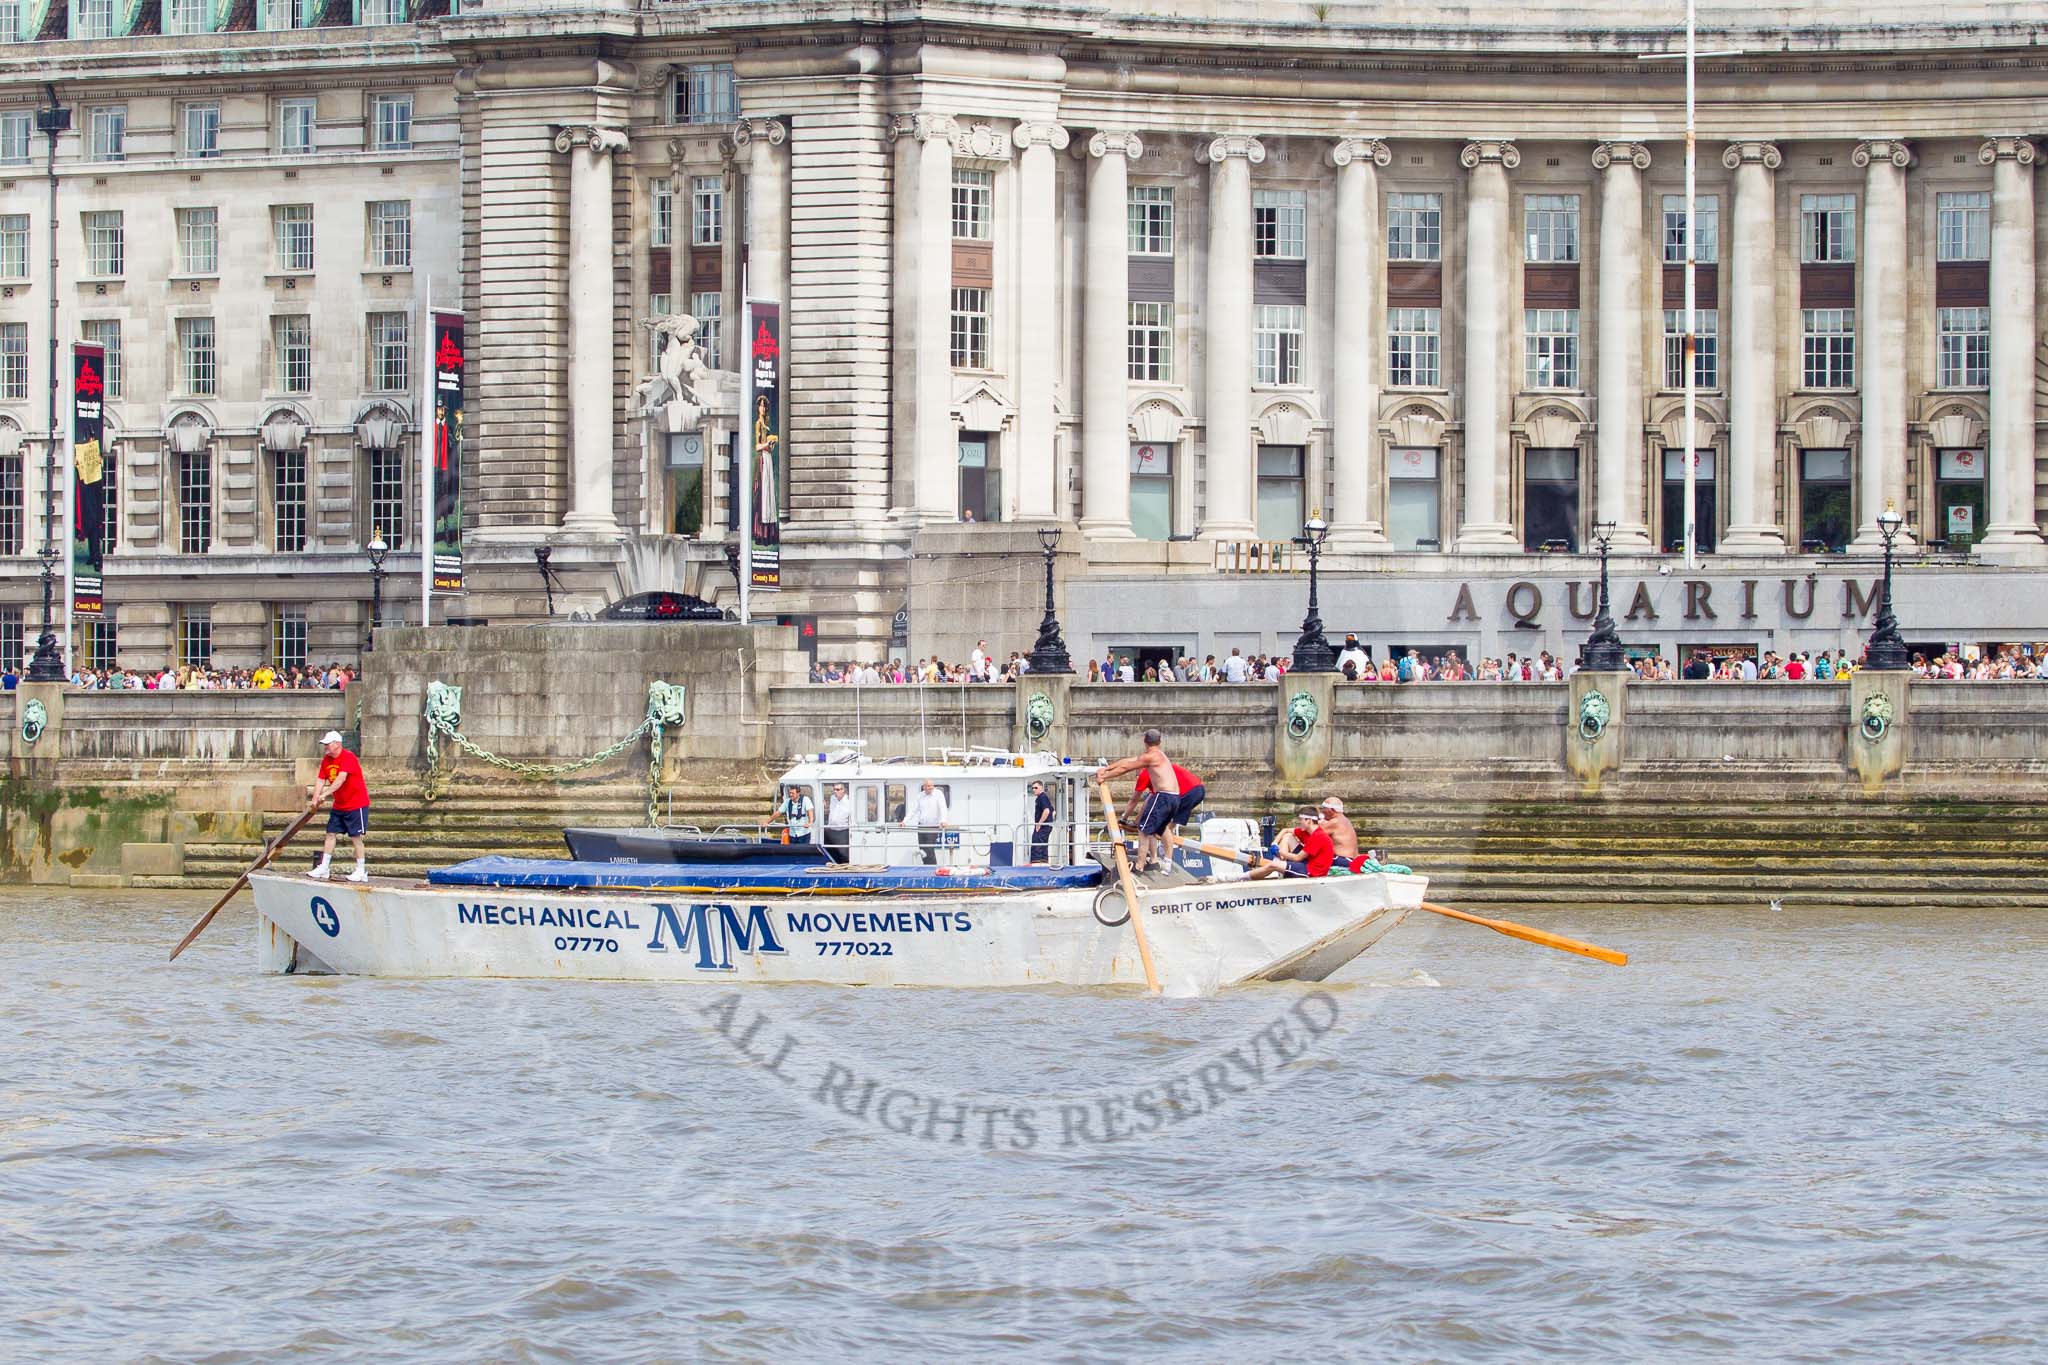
(68, 491)
(1689, 350)
(743, 448)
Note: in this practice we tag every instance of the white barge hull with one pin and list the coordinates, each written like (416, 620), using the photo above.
(1204, 936)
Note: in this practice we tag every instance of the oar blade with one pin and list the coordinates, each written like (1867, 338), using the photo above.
(1536, 936)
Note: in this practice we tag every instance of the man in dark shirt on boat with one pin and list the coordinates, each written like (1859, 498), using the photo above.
(1041, 822)
(1161, 802)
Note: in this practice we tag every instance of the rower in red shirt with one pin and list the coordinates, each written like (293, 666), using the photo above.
(1305, 851)
(1191, 794)
(341, 778)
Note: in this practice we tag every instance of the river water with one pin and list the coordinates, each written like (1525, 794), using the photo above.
(1798, 1135)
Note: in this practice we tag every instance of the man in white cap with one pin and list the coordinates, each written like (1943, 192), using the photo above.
(341, 779)
(1335, 824)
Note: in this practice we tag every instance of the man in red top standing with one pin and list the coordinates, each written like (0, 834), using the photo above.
(341, 778)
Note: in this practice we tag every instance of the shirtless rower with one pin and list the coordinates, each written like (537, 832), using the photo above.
(1160, 803)
(1338, 827)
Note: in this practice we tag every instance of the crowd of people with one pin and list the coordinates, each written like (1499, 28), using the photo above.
(333, 677)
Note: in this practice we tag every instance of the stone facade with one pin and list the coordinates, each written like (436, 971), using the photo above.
(1163, 273)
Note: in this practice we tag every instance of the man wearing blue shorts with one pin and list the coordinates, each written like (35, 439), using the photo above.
(341, 779)
(1162, 802)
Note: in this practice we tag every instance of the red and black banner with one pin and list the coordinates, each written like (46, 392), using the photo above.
(446, 511)
(88, 478)
(764, 353)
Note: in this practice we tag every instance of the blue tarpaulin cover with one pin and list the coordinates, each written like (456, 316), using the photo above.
(562, 874)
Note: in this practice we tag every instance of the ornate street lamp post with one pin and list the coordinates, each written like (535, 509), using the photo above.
(378, 549)
(1049, 655)
(1312, 653)
(48, 663)
(1603, 652)
(1887, 652)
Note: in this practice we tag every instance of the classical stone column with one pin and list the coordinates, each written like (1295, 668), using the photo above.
(591, 255)
(1485, 529)
(1226, 416)
(761, 141)
(1105, 362)
(1355, 397)
(1751, 353)
(2013, 340)
(1618, 479)
(934, 452)
(1032, 472)
(1881, 336)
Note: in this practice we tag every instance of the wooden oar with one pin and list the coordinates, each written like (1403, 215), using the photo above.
(1123, 876)
(1499, 926)
(1528, 935)
(262, 858)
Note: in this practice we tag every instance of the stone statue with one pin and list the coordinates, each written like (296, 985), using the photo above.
(683, 386)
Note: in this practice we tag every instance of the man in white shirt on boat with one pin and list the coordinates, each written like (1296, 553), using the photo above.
(928, 815)
(838, 823)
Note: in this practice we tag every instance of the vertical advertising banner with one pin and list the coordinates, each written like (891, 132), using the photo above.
(764, 354)
(88, 478)
(447, 483)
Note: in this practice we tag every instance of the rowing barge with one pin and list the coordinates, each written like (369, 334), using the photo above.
(985, 901)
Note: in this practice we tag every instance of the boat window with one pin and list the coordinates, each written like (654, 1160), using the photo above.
(867, 804)
(898, 807)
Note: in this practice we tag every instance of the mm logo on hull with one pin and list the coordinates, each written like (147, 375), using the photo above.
(324, 916)
(714, 931)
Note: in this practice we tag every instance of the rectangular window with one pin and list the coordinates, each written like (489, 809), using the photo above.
(970, 329)
(1965, 348)
(703, 94)
(1415, 227)
(1706, 356)
(1958, 497)
(1707, 208)
(195, 503)
(1151, 220)
(14, 362)
(1279, 225)
(388, 496)
(195, 637)
(15, 125)
(295, 126)
(92, 19)
(292, 226)
(105, 244)
(1415, 347)
(1550, 500)
(1152, 491)
(974, 194)
(199, 241)
(1823, 500)
(288, 637)
(289, 14)
(1414, 501)
(390, 123)
(707, 210)
(390, 356)
(288, 500)
(1280, 499)
(106, 333)
(1276, 343)
(13, 639)
(1550, 339)
(197, 362)
(107, 132)
(187, 16)
(102, 641)
(1703, 500)
(1829, 348)
(391, 234)
(13, 510)
(1827, 228)
(981, 483)
(291, 338)
(1151, 342)
(199, 130)
(1550, 228)
(384, 12)
(110, 493)
(661, 212)
(706, 308)
(1964, 226)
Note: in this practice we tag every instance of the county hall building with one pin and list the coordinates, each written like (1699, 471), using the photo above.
(1174, 278)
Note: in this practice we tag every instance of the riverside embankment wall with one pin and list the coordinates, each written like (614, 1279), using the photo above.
(116, 784)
